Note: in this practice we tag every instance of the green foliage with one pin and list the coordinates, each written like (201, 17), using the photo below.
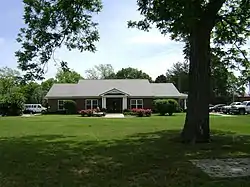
(68, 76)
(50, 24)
(70, 106)
(132, 73)
(11, 97)
(161, 79)
(12, 103)
(228, 22)
(166, 106)
(46, 85)
(178, 75)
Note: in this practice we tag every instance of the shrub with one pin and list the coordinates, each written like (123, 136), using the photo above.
(141, 112)
(148, 112)
(87, 112)
(103, 110)
(127, 112)
(179, 109)
(133, 111)
(70, 106)
(166, 106)
(12, 104)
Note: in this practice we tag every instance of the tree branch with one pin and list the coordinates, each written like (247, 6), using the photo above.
(236, 34)
(211, 11)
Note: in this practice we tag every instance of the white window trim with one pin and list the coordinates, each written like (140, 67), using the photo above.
(58, 105)
(136, 102)
(91, 103)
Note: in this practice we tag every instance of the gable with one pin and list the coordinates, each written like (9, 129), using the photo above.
(114, 91)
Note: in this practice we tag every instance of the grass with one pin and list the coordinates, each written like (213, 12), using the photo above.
(74, 151)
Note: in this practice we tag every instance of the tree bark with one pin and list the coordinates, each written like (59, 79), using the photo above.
(196, 127)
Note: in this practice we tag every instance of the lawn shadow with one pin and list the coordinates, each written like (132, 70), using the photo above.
(150, 159)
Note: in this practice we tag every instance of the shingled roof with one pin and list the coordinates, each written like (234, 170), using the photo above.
(131, 87)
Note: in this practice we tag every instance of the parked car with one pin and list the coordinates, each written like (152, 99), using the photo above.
(216, 108)
(241, 109)
(34, 108)
(226, 109)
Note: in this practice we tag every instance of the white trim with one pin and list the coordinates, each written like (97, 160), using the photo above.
(185, 104)
(114, 91)
(91, 103)
(58, 105)
(104, 102)
(136, 100)
(114, 96)
(124, 103)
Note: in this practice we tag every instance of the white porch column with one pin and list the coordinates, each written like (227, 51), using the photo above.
(103, 102)
(185, 104)
(124, 103)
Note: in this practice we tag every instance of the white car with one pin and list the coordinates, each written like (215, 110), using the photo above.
(241, 109)
(226, 109)
(34, 108)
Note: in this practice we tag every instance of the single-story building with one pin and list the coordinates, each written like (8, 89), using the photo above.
(113, 94)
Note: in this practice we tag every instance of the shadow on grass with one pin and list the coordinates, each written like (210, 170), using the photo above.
(151, 159)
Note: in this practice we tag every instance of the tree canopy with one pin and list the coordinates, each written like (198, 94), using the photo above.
(50, 24)
(101, 71)
(161, 79)
(132, 73)
(195, 23)
(68, 76)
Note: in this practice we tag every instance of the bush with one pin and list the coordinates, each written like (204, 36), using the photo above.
(127, 112)
(12, 104)
(179, 109)
(103, 110)
(87, 112)
(148, 112)
(70, 107)
(141, 112)
(166, 106)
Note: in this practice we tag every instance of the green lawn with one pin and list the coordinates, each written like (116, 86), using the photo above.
(73, 151)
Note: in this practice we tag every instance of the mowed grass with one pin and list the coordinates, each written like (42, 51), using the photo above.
(74, 151)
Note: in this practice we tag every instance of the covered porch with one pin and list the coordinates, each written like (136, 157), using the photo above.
(115, 101)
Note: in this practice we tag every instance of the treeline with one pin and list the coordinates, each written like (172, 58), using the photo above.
(15, 90)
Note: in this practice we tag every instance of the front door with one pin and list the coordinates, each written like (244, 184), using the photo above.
(114, 105)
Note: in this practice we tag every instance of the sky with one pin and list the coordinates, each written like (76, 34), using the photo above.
(119, 46)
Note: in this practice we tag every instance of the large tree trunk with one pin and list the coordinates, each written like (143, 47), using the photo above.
(196, 128)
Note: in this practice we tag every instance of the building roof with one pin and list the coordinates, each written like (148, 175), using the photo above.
(130, 87)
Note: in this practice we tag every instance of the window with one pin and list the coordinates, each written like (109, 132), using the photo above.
(60, 105)
(39, 106)
(136, 103)
(91, 103)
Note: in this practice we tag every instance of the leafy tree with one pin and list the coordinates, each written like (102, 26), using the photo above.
(46, 85)
(161, 79)
(178, 75)
(101, 71)
(11, 97)
(223, 82)
(69, 76)
(132, 73)
(30, 92)
(50, 24)
(195, 22)
(15, 75)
